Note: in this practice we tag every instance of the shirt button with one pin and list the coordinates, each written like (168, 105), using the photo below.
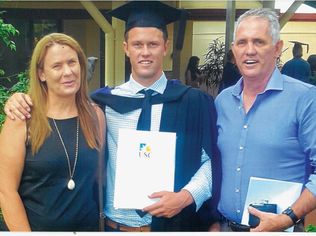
(245, 126)
(238, 169)
(237, 190)
(238, 211)
(241, 147)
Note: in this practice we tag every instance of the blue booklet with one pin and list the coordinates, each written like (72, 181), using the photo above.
(262, 190)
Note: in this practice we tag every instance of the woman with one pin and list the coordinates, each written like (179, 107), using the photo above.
(193, 75)
(231, 73)
(48, 168)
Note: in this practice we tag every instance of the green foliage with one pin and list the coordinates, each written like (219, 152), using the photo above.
(2, 228)
(6, 32)
(310, 228)
(5, 93)
(21, 85)
(2, 225)
(3, 99)
(214, 62)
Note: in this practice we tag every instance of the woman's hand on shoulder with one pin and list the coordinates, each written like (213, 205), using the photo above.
(18, 106)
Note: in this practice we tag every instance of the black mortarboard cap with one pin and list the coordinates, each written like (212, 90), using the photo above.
(299, 45)
(146, 14)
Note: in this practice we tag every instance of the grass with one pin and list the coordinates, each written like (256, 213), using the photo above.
(2, 228)
(310, 228)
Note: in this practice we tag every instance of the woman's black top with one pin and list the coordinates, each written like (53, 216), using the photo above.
(49, 204)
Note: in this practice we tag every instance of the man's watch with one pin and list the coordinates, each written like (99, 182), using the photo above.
(289, 212)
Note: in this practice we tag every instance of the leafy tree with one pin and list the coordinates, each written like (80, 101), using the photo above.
(5, 93)
(213, 67)
(7, 31)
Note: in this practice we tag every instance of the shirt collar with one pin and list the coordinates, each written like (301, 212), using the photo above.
(275, 83)
(159, 86)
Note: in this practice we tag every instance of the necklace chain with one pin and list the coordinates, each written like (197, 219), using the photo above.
(71, 173)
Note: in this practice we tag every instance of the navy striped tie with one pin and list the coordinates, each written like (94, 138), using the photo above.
(144, 120)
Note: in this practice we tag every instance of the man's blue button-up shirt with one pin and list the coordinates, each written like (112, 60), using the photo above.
(275, 139)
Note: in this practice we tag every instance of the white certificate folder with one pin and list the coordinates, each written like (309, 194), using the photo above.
(145, 164)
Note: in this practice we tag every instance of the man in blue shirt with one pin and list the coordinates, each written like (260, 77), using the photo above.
(266, 126)
(297, 67)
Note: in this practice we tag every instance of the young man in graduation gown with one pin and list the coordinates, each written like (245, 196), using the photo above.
(169, 107)
(174, 108)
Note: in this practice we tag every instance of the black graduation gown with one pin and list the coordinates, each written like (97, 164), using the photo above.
(191, 114)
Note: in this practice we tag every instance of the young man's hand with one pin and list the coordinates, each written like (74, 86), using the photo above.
(18, 106)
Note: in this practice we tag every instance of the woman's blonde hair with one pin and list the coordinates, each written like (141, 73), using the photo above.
(39, 127)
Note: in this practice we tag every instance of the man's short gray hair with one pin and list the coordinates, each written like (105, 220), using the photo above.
(264, 13)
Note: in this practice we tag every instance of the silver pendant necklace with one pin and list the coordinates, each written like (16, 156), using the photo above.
(71, 183)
